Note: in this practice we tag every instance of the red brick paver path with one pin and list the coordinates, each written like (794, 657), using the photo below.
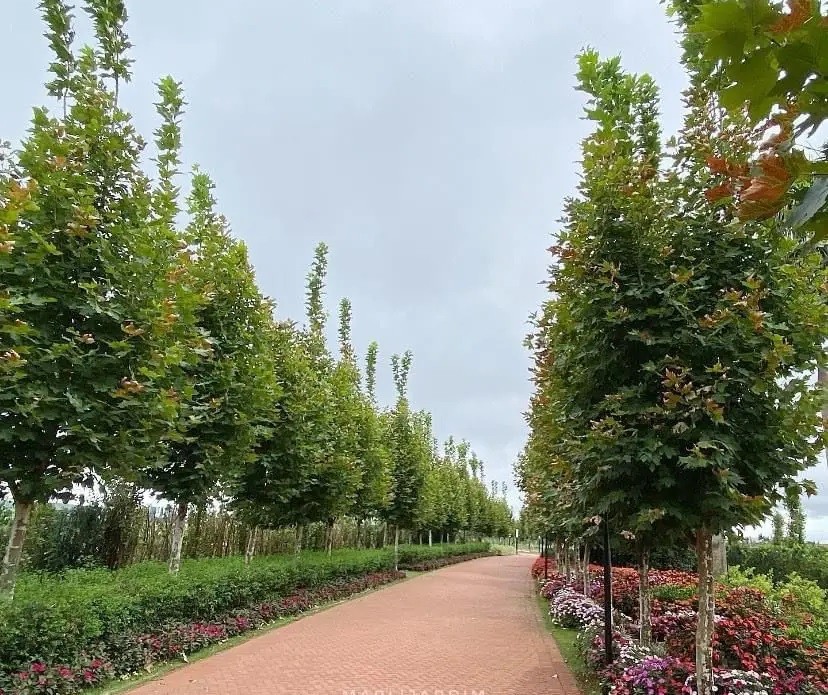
(474, 627)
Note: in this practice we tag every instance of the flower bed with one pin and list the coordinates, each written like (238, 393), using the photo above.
(764, 642)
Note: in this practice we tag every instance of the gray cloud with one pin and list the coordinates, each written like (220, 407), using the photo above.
(430, 144)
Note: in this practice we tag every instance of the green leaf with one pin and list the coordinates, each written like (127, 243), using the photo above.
(812, 203)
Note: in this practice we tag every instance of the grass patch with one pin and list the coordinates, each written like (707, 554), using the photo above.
(566, 639)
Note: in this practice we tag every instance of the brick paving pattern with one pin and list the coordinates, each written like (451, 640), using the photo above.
(474, 627)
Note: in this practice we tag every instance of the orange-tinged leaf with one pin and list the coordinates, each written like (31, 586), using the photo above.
(799, 12)
(718, 165)
(716, 193)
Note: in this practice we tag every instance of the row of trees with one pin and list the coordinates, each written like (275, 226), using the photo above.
(673, 360)
(137, 347)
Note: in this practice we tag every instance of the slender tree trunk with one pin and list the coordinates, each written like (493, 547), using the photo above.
(644, 598)
(251, 545)
(14, 549)
(178, 537)
(384, 535)
(329, 537)
(195, 534)
(822, 380)
(396, 548)
(705, 627)
(358, 535)
(297, 546)
(585, 568)
(429, 538)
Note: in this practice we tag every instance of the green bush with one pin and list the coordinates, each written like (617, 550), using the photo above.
(808, 560)
(748, 577)
(417, 554)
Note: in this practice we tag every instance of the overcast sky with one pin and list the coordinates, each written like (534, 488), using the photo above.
(430, 143)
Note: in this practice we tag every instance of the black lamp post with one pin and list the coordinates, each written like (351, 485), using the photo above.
(608, 655)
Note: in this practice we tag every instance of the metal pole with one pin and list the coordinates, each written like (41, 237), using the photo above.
(608, 656)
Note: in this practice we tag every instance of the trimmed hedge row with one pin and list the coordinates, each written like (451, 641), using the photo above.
(94, 616)
(411, 555)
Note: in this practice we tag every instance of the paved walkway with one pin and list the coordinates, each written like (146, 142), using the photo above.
(474, 627)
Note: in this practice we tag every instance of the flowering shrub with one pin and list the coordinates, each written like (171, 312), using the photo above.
(553, 585)
(755, 649)
(42, 678)
(736, 683)
(653, 675)
(539, 564)
(568, 608)
(590, 644)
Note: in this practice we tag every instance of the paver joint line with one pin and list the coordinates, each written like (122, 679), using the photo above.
(468, 629)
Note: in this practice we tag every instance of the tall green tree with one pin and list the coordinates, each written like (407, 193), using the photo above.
(673, 349)
(269, 491)
(87, 333)
(408, 456)
(230, 377)
(337, 474)
(374, 492)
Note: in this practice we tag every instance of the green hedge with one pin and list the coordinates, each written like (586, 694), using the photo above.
(56, 619)
(417, 554)
(808, 560)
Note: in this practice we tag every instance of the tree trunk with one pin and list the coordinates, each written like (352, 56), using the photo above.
(644, 599)
(822, 380)
(358, 535)
(719, 566)
(195, 534)
(705, 627)
(14, 549)
(297, 547)
(329, 532)
(396, 548)
(586, 568)
(251, 545)
(177, 537)
(429, 538)
(384, 535)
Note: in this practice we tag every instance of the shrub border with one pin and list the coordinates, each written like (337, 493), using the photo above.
(115, 685)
